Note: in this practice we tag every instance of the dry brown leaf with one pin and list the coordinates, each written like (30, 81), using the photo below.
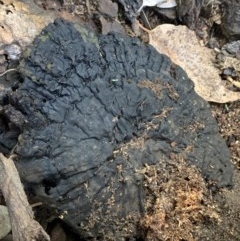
(21, 21)
(182, 46)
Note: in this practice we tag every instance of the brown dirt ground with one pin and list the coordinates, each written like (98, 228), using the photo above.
(210, 216)
(228, 118)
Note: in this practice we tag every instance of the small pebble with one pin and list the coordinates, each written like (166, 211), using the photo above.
(227, 71)
(13, 51)
(5, 226)
(108, 7)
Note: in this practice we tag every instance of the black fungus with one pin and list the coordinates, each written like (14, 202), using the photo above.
(90, 112)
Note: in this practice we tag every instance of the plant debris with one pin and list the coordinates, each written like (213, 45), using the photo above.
(178, 201)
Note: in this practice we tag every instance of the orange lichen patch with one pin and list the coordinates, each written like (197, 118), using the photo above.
(155, 87)
(177, 202)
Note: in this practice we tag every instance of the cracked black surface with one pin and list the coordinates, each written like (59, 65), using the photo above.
(80, 103)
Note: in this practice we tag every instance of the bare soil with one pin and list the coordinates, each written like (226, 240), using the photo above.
(227, 200)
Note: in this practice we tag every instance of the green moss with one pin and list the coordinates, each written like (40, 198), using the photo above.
(25, 72)
(49, 66)
(87, 35)
(43, 37)
(27, 52)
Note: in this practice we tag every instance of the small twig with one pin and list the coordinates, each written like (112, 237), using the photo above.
(36, 204)
(235, 83)
(88, 6)
(7, 71)
(143, 28)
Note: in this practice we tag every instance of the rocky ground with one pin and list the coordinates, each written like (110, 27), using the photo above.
(103, 16)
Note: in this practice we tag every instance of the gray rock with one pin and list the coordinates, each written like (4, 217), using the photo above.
(230, 19)
(108, 7)
(5, 224)
(233, 48)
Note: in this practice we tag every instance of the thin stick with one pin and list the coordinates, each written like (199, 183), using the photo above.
(36, 204)
(24, 227)
(7, 71)
(146, 19)
(88, 6)
(143, 28)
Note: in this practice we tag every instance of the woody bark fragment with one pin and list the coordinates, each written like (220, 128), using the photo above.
(24, 227)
